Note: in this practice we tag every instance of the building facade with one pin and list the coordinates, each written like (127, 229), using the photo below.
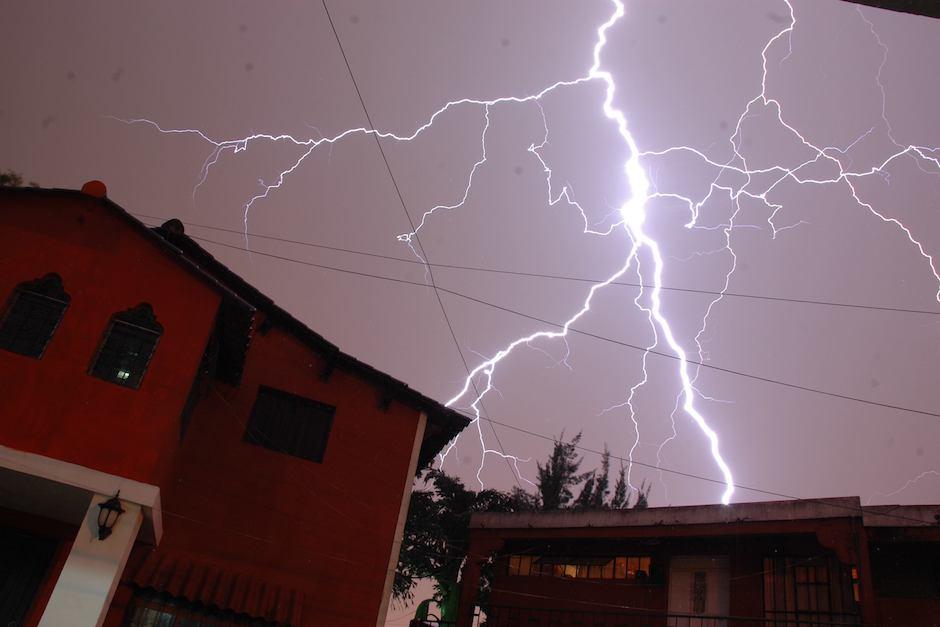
(788, 563)
(261, 475)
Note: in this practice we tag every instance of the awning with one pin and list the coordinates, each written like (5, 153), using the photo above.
(219, 584)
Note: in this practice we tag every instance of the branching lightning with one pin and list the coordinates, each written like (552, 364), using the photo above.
(632, 216)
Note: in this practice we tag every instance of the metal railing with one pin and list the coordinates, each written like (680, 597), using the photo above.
(514, 616)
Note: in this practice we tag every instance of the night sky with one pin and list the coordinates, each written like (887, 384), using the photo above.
(684, 74)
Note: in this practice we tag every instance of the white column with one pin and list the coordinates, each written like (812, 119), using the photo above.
(83, 592)
(402, 516)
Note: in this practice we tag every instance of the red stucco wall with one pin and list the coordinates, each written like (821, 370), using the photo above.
(324, 528)
(51, 405)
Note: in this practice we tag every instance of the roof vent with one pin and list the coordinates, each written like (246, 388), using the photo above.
(95, 189)
(173, 226)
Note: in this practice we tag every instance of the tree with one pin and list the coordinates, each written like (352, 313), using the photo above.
(643, 496)
(620, 499)
(585, 499)
(12, 178)
(602, 483)
(437, 535)
(560, 474)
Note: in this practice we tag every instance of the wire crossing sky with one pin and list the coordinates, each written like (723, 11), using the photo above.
(633, 214)
(691, 156)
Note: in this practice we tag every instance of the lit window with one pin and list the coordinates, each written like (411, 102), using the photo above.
(855, 586)
(525, 565)
(581, 567)
(290, 424)
(34, 313)
(620, 568)
(128, 346)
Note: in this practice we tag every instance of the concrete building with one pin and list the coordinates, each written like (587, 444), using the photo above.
(810, 562)
(174, 446)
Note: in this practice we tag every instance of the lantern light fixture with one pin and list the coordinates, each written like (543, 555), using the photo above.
(108, 513)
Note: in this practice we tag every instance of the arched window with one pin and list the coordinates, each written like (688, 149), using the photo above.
(34, 311)
(127, 346)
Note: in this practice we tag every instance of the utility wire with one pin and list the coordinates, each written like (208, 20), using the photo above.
(690, 475)
(585, 449)
(414, 231)
(596, 336)
(562, 277)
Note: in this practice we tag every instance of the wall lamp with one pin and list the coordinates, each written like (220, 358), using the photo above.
(108, 513)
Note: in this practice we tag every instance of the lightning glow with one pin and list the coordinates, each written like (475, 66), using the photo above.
(756, 184)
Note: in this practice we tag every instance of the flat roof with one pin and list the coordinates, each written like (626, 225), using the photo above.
(763, 511)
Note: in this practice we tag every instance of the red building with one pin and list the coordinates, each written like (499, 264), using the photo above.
(787, 563)
(262, 476)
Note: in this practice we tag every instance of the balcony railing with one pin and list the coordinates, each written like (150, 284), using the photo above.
(507, 616)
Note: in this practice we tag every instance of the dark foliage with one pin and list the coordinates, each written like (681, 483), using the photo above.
(436, 536)
(12, 178)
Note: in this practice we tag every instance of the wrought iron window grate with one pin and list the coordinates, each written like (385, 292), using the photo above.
(33, 315)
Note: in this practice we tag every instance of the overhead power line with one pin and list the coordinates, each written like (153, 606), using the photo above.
(585, 449)
(561, 277)
(731, 371)
(414, 231)
(691, 475)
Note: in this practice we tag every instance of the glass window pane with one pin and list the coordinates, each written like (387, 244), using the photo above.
(620, 568)
(525, 565)
(608, 570)
(29, 323)
(594, 572)
(633, 563)
(513, 564)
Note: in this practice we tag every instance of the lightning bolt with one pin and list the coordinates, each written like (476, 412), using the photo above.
(907, 484)
(631, 217)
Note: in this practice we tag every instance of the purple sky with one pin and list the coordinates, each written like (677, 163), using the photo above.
(684, 73)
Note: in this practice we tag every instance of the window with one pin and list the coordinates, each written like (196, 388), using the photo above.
(290, 424)
(807, 588)
(152, 609)
(633, 568)
(34, 312)
(127, 347)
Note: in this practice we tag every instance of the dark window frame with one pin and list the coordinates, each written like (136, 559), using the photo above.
(301, 430)
(807, 588)
(634, 569)
(115, 355)
(45, 295)
(152, 607)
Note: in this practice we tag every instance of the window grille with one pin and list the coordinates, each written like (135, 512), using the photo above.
(290, 424)
(153, 609)
(128, 346)
(34, 313)
(807, 589)
(633, 568)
